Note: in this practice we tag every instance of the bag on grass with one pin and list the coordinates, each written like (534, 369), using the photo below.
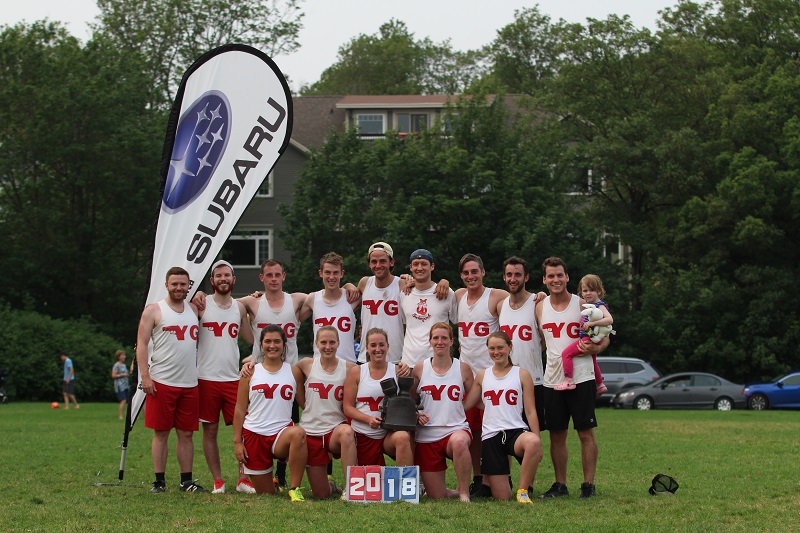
(663, 484)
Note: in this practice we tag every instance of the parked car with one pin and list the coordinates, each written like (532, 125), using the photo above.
(687, 390)
(622, 373)
(784, 392)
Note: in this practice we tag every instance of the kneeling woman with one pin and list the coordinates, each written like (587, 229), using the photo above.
(505, 390)
(262, 421)
(443, 433)
(363, 396)
(320, 389)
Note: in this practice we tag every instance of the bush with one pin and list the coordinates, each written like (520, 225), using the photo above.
(29, 348)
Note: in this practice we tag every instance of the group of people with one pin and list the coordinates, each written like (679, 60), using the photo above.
(479, 409)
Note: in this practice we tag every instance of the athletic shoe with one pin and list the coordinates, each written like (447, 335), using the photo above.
(567, 384)
(587, 491)
(191, 486)
(522, 496)
(280, 487)
(219, 486)
(602, 389)
(334, 487)
(296, 495)
(556, 491)
(245, 486)
(159, 486)
(479, 490)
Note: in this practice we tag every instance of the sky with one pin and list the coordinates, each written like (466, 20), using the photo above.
(329, 24)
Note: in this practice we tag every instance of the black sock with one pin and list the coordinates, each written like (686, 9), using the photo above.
(330, 468)
(160, 478)
(477, 479)
(186, 476)
(280, 473)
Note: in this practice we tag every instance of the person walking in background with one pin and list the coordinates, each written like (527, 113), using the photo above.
(119, 373)
(68, 387)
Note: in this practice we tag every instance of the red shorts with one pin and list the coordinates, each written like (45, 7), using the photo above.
(260, 450)
(432, 456)
(475, 420)
(216, 396)
(172, 407)
(318, 449)
(369, 450)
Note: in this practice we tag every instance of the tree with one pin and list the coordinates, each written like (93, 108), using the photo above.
(79, 157)
(172, 34)
(394, 62)
(480, 188)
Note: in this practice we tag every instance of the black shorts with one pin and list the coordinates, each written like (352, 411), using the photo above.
(538, 396)
(68, 387)
(578, 404)
(495, 452)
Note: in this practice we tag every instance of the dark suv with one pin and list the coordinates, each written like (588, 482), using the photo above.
(623, 373)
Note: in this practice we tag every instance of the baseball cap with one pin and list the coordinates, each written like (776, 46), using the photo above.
(220, 263)
(381, 246)
(422, 253)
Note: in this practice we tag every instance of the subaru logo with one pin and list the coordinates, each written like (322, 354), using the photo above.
(200, 141)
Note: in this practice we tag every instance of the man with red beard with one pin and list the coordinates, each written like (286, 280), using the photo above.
(169, 378)
(218, 366)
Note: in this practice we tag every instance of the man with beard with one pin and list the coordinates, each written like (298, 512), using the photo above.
(517, 318)
(218, 366)
(170, 378)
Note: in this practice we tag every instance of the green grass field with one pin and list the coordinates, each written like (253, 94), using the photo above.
(737, 471)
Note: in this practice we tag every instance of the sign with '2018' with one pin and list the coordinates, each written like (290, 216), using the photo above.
(371, 484)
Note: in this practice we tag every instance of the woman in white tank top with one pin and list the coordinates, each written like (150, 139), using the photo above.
(320, 382)
(262, 420)
(362, 398)
(505, 390)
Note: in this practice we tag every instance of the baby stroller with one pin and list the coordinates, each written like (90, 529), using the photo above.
(3, 377)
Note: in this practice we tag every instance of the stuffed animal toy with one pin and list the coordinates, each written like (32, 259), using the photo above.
(597, 333)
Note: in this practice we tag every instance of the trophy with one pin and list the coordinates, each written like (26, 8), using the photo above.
(398, 410)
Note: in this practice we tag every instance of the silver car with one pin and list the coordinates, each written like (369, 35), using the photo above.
(621, 373)
(687, 390)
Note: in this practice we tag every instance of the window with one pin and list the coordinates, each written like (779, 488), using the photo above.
(412, 122)
(705, 381)
(370, 124)
(248, 247)
(792, 380)
(611, 367)
(265, 190)
(632, 368)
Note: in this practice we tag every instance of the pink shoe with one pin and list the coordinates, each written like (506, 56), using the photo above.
(567, 384)
(602, 389)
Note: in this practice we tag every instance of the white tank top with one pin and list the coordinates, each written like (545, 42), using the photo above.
(380, 308)
(217, 350)
(369, 398)
(560, 329)
(341, 316)
(520, 326)
(271, 397)
(174, 359)
(475, 323)
(502, 403)
(421, 310)
(441, 397)
(285, 318)
(324, 395)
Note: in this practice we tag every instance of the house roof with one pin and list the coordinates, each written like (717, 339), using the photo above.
(395, 101)
(315, 117)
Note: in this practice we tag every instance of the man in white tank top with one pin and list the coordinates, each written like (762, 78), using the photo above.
(517, 318)
(330, 307)
(477, 319)
(559, 318)
(218, 365)
(169, 378)
(421, 309)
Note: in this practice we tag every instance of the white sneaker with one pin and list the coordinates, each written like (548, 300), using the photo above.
(245, 486)
(219, 487)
